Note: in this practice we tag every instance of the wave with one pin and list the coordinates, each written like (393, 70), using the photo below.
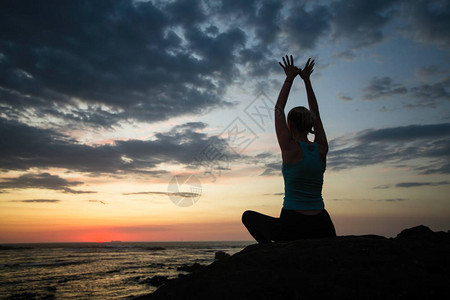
(55, 263)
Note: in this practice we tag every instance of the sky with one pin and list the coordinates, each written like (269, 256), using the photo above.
(153, 120)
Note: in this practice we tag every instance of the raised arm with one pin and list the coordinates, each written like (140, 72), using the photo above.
(319, 131)
(283, 134)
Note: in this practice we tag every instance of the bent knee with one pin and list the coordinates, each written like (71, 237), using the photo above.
(247, 215)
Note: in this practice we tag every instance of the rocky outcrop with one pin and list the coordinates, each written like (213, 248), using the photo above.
(414, 265)
(221, 255)
(196, 267)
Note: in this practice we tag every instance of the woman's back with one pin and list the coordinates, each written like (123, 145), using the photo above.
(303, 180)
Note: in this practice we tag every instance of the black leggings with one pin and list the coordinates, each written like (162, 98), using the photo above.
(291, 225)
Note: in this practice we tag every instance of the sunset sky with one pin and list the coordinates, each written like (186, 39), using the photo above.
(153, 120)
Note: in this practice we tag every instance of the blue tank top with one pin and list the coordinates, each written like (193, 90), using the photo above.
(303, 180)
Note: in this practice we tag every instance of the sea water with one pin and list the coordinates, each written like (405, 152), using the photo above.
(113, 270)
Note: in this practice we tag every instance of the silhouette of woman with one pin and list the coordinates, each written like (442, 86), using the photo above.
(303, 214)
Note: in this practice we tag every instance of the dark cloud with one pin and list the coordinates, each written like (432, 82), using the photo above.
(405, 133)
(377, 200)
(41, 181)
(266, 22)
(261, 18)
(382, 88)
(394, 200)
(395, 146)
(428, 95)
(99, 63)
(180, 194)
(97, 201)
(439, 90)
(412, 184)
(272, 169)
(382, 187)
(347, 55)
(274, 194)
(361, 22)
(185, 12)
(306, 26)
(417, 184)
(105, 61)
(429, 71)
(345, 98)
(428, 21)
(261, 22)
(37, 201)
(278, 25)
(24, 147)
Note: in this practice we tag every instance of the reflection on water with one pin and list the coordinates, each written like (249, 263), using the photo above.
(115, 270)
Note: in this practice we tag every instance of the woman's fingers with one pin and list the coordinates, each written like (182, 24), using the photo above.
(281, 65)
(284, 61)
(307, 63)
(310, 65)
(292, 60)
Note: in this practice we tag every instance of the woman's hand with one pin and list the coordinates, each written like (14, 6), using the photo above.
(289, 69)
(307, 70)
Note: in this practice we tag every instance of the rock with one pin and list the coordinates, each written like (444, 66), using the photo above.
(193, 268)
(156, 280)
(416, 232)
(410, 266)
(219, 255)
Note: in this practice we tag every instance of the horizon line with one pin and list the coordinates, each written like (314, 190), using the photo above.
(118, 241)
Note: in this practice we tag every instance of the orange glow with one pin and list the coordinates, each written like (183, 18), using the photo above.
(180, 232)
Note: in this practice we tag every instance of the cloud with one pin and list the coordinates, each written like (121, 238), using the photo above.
(41, 181)
(428, 94)
(417, 184)
(361, 22)
(382, 187)
(97, 201)
(24, 147)
(306, 26)
(347, 55)
(37, 201)
(378, 200)
(187, 12)
(101, 62)
(425, 72)
(395, 146)
(412, 184)
(274, 23)
(261, 18)
(272, 169)
(181, 194)
(428, 21)
(382, 88)
(393, 200)
(274, 194)
(271, 25)
(345, 98)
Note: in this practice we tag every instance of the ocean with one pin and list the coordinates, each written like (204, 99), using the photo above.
(111, 270)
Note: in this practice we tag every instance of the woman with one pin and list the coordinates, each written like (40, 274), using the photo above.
(303, 214)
